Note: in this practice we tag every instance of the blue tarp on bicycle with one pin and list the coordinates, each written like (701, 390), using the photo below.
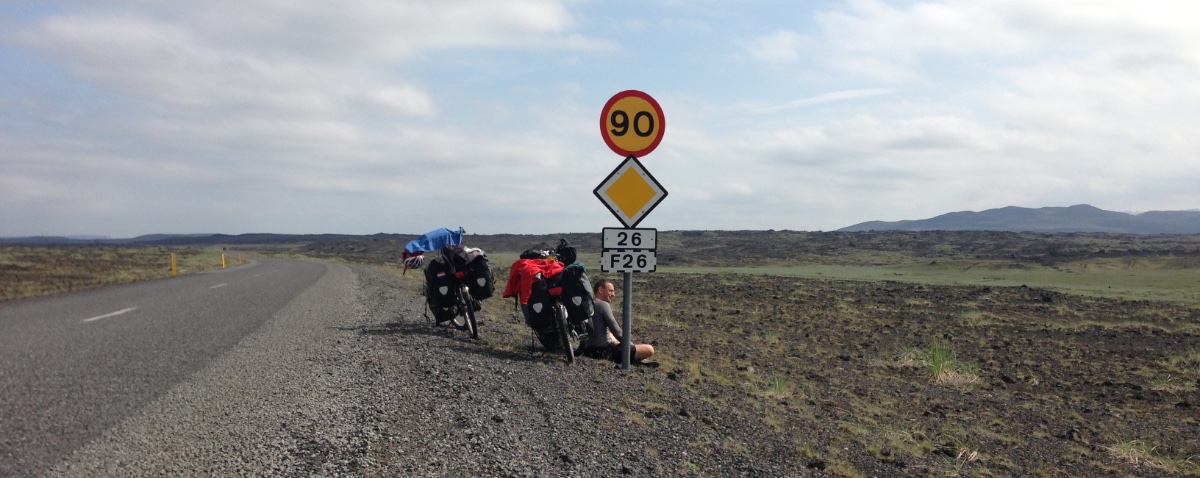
(414, 253)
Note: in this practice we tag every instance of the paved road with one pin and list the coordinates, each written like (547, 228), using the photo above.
(74, 365)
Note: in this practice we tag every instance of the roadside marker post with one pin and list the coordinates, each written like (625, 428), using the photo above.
(632, 125)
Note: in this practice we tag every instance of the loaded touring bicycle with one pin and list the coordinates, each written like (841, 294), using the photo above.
(457, 280)
(456, 285)
(554, 295)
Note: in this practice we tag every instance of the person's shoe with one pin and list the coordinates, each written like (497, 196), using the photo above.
(646, 363)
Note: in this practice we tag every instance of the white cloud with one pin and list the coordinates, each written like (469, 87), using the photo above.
(783, 46)
(336, 117)
(831, 97)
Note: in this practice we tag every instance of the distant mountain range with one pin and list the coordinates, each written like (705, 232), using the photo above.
(1080, 218)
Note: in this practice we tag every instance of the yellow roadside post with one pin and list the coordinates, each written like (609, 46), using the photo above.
(222, 260)
(174, 271)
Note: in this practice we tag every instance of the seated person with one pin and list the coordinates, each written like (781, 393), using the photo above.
(604, 340)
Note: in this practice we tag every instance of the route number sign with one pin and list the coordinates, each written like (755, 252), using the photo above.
(644, 239)
(632, 123)
(627, 261)
(629, 250)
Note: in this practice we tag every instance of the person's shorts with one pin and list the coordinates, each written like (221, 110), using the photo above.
(612, 352)
(596, 352)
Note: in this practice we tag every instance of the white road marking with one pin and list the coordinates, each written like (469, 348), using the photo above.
(105, 316)
(218, 285)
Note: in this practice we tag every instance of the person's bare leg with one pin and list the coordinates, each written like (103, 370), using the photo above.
(642, 351)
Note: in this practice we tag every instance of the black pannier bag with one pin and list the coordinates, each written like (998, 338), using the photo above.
(479, 279)
(577, 296)
(541, 305)
(565, 253)
(443, 314)
(472, 268)
(439, 286)
(540, 251)
(541, 314)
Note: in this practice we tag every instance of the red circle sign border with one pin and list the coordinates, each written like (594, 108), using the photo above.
(662, 120)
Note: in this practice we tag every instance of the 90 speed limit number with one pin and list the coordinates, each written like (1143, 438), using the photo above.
(627, 261)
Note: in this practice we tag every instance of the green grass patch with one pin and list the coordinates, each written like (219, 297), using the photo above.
(1142, 453)
(663, 319)
(977, 318)
(1186, 363)
(27, 271)
(778, 388)
(1145, 279)
(1172, 383)
(942, 363)
(903, 436)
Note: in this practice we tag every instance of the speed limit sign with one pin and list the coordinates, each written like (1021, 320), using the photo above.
(632, 123)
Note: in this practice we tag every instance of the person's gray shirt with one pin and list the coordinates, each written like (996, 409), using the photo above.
(605, 331)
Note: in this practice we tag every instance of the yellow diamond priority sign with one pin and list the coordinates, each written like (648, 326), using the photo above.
(630, 192)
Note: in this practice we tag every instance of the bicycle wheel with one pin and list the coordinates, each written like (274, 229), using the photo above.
(464, 300)
(564, 332)
(460, 313)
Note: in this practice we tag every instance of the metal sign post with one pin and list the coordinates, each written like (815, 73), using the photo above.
(627, 322)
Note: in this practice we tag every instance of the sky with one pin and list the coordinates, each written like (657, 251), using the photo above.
(127, 117)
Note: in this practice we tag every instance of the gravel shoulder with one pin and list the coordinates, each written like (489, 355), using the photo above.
(350, 379)
(265, 408)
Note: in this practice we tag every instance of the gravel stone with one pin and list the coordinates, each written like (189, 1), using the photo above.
(350, 379)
